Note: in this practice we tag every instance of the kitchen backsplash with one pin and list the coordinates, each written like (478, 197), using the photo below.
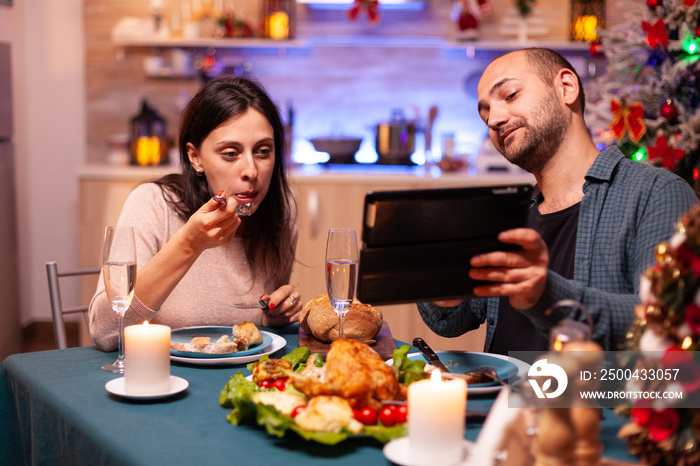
(344, 77)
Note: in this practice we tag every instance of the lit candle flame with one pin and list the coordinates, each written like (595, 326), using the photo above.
(558, 345)
(145, 323)
(435, 377)
(686, 343)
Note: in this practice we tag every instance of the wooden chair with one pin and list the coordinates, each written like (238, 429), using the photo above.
(57, 309)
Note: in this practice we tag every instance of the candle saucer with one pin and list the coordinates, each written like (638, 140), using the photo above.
(398, 452)
(177, 385)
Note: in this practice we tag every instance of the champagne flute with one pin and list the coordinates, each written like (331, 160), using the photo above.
(119, 273)
(341, 271)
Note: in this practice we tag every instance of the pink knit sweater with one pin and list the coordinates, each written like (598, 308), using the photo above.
(220, 276)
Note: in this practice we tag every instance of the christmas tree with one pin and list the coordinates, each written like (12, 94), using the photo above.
(651, 89)
(666, 331)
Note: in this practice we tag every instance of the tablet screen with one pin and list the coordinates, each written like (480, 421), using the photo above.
(417, 244)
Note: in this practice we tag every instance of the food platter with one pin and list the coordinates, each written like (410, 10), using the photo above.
(463, 361)
(276, 343)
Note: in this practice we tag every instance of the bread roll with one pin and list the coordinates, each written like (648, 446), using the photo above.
(362, 322)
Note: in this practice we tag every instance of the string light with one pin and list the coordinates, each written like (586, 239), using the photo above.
(640, 154)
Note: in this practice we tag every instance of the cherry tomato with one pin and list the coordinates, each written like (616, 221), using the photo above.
(297, 410)
(367, 416)
(401, 414)
(267, 383)
(279, 384)
(387, 415)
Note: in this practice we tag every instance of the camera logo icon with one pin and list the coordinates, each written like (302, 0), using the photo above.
(542, 369)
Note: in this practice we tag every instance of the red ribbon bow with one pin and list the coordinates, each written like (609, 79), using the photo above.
(668, 155)
(656, 33)
(627, 118)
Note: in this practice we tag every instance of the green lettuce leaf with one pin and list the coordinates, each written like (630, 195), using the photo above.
(238, 394)
(297, 357)
(407, 371)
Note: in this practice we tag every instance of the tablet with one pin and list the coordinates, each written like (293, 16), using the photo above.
(417, 244)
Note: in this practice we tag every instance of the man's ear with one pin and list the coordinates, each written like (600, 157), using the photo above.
(568, 85)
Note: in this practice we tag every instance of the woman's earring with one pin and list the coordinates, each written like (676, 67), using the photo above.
(199, 171)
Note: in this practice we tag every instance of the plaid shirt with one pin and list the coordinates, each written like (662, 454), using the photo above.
(628, 208)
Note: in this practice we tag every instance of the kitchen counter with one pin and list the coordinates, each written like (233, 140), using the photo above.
(389, 174)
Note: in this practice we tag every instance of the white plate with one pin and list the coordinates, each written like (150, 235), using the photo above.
(278, 343)
(397, 451)
(522, 367)
(177, 384)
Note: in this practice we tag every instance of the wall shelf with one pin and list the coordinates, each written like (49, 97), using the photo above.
(471, 47)
(206, 42)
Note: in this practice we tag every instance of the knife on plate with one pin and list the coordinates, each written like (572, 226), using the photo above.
(429, 354)
(262, 304)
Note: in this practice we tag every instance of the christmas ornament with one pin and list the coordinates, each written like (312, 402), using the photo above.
(655, 58)
(485, 7)
(466, 14)
(371, 6)
(627, 119)
(669, 110)
(524, 7)
(689, 3)
(595, 50)
(656, 33)
(668, 155)
(652, 4)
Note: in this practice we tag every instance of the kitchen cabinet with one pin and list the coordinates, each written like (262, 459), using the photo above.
(325, 199)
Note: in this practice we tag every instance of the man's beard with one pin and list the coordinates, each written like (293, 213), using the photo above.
(542, 137)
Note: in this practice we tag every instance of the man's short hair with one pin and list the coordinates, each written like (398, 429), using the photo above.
(546, 63)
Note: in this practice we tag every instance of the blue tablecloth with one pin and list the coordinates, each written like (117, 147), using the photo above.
(54, 409)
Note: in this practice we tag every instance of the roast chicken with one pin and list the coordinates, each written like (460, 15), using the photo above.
(353, 371)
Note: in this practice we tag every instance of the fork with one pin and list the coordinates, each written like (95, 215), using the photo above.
(489, 372)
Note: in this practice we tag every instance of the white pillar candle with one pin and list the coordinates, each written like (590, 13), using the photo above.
(436, 412)
(146, 359)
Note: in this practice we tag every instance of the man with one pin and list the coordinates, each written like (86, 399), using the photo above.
(593, 224)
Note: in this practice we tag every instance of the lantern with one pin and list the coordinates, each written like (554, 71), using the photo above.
(279, 19)
(147, 137)
(586, 17)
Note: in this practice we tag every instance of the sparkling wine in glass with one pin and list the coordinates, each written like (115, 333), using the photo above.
(341, 271)
(119, 273)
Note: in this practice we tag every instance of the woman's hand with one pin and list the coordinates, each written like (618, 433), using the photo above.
(285, 305)
(519, 275)
(212, 225)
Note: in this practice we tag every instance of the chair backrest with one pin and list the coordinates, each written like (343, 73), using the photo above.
(57, 309)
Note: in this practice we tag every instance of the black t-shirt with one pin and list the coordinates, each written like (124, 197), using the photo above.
(514, 330)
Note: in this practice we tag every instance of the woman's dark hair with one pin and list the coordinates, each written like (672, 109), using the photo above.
(267, 234)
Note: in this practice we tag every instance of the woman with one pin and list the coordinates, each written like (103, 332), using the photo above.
(197, 256)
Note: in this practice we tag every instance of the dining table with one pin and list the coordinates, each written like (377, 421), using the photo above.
(55, 409)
